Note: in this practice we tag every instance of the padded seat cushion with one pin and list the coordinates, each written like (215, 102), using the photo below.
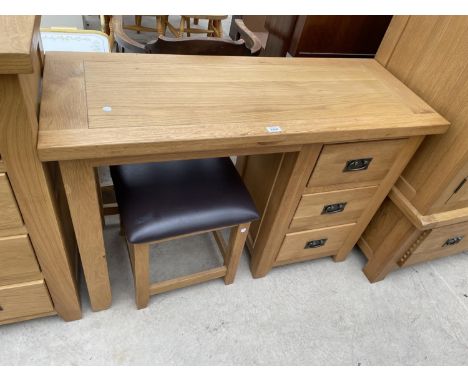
(166, 199)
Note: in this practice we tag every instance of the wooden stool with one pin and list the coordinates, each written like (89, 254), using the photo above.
(168, 200)
(215, 28)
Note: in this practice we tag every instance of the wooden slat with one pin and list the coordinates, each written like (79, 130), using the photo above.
(183, 281)
(221, 243)
(424, 222)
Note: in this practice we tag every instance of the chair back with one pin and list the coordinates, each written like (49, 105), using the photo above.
(208, 46)
(248, 45)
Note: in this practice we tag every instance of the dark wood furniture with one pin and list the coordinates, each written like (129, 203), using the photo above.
(325, 36)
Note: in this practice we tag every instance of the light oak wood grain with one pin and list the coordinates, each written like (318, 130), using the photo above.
(294, 244)
(330, 167)
(17, 257)
(25, 299)
(30, 179)
(82, 194)
(434, 244)
(285, 195)
(11, 216)
(399, 163)
(359, 101)
(310, 214)
(430, 58)
(16, 43)
(428, 54)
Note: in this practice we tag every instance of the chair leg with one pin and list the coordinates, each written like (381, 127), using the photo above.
(188, 26)
(236, 245)
(138, 20)
(182, 26)
(139, 255)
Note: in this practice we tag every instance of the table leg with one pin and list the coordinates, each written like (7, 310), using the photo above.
(79, 180)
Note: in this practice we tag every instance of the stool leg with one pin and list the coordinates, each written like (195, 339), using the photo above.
(139, 254)
(236, 245)
(138, 20)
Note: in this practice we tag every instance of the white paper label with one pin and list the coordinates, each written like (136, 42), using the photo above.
(274, 129)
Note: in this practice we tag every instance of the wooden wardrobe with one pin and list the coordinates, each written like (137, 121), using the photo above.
(426, 214)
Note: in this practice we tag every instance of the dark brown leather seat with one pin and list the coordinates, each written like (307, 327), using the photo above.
(166, 199)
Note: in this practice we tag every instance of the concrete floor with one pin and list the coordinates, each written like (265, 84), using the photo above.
(314, 313)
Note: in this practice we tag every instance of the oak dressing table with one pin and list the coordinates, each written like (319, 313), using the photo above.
(320, 142)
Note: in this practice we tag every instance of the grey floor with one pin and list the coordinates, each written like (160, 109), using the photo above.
(314, 313)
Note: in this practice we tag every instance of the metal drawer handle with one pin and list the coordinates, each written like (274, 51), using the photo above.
(315, 243)
(334, 208)
(453, 241)
(357, 164)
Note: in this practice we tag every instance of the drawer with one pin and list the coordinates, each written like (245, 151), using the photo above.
(16, 257)
(361, 162)
(331, 208)
(440, 242)
(10, 216)
(313, 244)
(22, 300)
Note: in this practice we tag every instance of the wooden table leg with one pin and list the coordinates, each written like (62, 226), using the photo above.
(79, 179)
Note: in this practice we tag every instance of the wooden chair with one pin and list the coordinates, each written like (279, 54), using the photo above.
(247, 45)
(169, 200)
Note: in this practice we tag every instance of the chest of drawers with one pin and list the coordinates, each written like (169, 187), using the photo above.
(23, 292)
(318, 202)
(37, 262)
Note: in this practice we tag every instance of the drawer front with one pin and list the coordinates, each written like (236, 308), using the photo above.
(362, 162)
(440, 242)
(10, 216)
(331, 208)
(16, 257)
(313, 244)
(22, 300)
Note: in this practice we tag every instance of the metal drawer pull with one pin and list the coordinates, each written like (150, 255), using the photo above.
(315, 243)
(453, 241)
(357, 164)
(333, 208)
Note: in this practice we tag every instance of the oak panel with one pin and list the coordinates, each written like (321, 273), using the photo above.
(330, 168)
(319, 100)
(22, 300)
(310, 212)
(10, 215)
(17, 257)
(434, 245)
(294, 244)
